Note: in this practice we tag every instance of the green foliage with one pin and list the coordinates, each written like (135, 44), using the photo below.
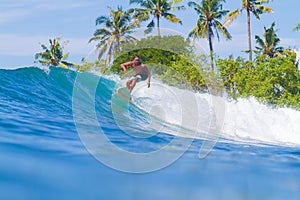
(157, 9)
(229, 70)
(256, 7)
(208, 24)
(115, 32)
(275, 81)
(297, 27)
(170, 58)
(53, 55)
(269, 44)
(97, 66)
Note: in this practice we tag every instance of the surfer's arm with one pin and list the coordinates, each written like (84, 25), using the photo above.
(124, 65)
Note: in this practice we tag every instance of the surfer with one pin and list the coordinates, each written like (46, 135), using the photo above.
(141, 70)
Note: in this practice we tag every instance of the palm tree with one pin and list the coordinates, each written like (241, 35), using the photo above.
(53, 56)
(209, 11)
(269, 45)
(297, 27)
(255, 7)
(116, 32)
(157, 9)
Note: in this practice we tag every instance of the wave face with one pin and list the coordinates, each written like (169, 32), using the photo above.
(40, 138)
(31, 93)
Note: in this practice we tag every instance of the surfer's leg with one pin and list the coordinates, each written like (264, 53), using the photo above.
(128, 83)
(133, 82)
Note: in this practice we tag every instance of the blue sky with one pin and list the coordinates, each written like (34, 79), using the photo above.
(24, 24)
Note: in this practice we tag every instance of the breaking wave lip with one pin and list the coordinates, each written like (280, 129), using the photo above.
(245, 121)
(249, 120)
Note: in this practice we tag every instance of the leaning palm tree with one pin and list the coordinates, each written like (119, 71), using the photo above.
(297, 27)
(210, 12)
(157, 9)
(269, 44)
(255, 7)
(53, 55)
(115, 33)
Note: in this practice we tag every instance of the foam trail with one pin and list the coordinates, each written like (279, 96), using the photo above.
(244, 120)
(248, 120)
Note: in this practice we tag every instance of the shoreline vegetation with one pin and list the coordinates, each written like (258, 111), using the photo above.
(271, 76)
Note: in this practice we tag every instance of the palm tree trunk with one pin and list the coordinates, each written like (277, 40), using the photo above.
(249, 35)
(118, 42)
(157, 22)
(211, 51)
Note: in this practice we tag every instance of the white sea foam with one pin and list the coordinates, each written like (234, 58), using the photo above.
(245, 120)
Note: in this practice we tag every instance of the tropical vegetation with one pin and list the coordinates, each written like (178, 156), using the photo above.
(297, 27)
(275, 81)
(53, 55)
(268, 45)
(210, 12)
(174, 63)
(256, 7)
(116, 32)
(272, 76)
(155, 10)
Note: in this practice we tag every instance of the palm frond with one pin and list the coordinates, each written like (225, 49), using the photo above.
(192, 4)
(100, 20)
(260, 42)
(178, 8)
(65, 56)
(231, 16)
(176, 1)
(64, 65)
(269, 43)
(264, 9)
(297, 27)
(223, 30)
(172, 18)
(52, 55)
(150, 27)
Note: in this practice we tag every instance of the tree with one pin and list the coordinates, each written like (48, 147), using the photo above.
(297, 27)
(53, 55)
(169, 58)
(269, 44)
(157, 9)
(255, 7)
(96, 67)
(210, 12)
(118, 27)
(274, 81)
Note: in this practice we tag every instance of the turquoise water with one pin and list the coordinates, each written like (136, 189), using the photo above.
(43, 156)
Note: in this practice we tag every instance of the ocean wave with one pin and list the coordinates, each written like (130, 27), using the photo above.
(31, 93)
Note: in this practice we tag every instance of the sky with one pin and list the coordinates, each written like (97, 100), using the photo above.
(26, 24)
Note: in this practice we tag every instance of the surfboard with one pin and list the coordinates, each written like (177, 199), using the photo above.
(124, 93)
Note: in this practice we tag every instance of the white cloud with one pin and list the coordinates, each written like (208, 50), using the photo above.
(12, 15)
(61, 5)
(14, 10)
(47, 4)
(289, 42)
(20, 45)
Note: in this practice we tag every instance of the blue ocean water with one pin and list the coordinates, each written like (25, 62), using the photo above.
(44, 155)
